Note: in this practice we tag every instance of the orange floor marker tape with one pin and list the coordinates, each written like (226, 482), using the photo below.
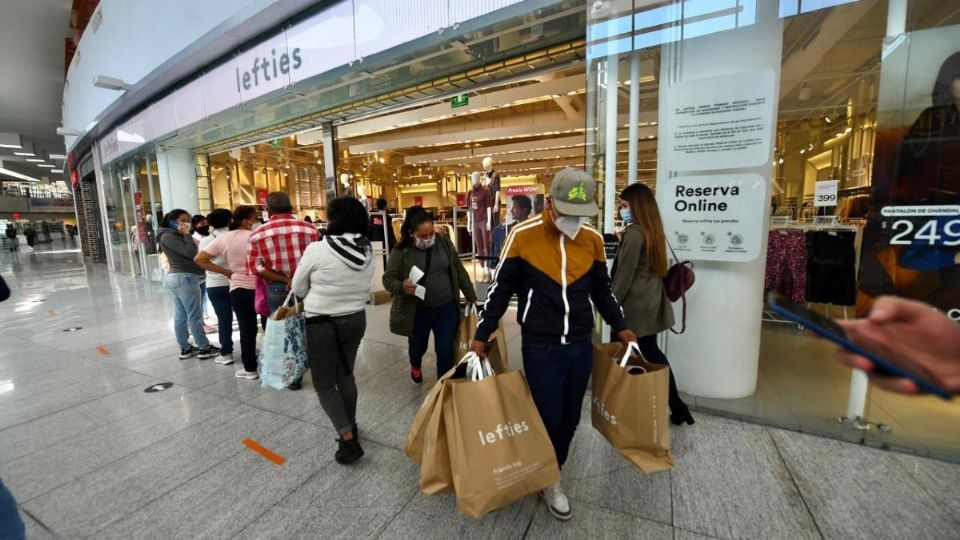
(103, 350)
(256, 447)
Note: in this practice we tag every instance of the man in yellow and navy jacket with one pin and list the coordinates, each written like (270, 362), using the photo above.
(555, 264)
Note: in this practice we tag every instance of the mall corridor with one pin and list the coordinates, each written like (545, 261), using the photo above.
(89, 454)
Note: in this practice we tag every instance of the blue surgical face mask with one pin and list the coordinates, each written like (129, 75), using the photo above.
(625, 215)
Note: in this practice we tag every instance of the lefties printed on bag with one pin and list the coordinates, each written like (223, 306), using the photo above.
(629, 405)
(499, 452)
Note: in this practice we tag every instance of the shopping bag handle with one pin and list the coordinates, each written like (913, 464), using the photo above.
(296, 305)
(477, 368)
(632, 348)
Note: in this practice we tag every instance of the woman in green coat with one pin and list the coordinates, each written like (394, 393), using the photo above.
(432, 303)
(638, 273)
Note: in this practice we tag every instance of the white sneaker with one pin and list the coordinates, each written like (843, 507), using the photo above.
(557, 502)
(244, 374)
(224, 359)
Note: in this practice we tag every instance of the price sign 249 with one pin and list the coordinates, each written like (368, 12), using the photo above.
(934, 232)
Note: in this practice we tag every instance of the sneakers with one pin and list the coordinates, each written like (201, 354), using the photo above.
(416, 375)
(224, 359)
(209, 352)
(188, 353)
(244, 374)
(295, 385)
(557, 502)
(348, 451)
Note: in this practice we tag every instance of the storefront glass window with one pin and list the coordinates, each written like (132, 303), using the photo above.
(777, 136)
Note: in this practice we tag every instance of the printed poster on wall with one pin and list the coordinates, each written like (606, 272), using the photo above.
(716, 217)
(722, 122)
(911, 242)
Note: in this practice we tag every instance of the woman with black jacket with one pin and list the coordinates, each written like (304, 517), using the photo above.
(443, 280)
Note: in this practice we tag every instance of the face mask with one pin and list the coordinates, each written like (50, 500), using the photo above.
(256, 225)
(204, 230)
(570, 225)
(425, 244)
(625, 215)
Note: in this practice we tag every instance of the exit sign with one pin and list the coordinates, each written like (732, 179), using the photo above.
(460, 101)
(275, 143)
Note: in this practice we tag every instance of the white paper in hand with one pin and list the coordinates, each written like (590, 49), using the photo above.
(421, 292)
(415, 274)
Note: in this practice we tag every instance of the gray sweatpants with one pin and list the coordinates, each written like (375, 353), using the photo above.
(333, 374)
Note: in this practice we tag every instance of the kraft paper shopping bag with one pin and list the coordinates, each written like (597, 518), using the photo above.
(467, 328)
(499, 451)
(629, 405)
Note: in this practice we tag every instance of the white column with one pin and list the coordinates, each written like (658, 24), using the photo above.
(896, 17)
(718, 356)
(177, 180)
(610, 146)
(634, 117)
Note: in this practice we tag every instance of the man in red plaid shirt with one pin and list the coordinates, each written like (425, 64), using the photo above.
(276, 248)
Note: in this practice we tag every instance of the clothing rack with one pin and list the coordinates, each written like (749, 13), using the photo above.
(818, 223)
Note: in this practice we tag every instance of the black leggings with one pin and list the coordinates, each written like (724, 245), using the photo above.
(242, 301)
(651, 351)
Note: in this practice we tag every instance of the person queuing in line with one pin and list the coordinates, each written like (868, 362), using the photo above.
(233, 247)
(183, 280)
(377, 225)
(199, 229)
(638, 273)
(333, 278)
(218, 284)
(276, 248)
(444, 279)
(912, 333)
(556, 266)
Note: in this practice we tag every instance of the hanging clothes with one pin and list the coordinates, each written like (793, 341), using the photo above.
(831, 267)
(786, 270)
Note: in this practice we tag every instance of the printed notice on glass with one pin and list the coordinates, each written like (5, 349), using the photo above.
(721, 122)
(714, 218)
(825, 193)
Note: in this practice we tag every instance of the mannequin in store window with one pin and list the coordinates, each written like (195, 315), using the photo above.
(362, 195)
(498, 233)
(347, 190)
(480, 219)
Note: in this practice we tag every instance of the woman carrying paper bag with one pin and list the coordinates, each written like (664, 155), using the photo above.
(425, 276)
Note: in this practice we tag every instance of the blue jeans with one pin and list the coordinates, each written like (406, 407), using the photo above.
(220, 298)
(276, 293)
(186, 309)
(443, 321)
(11, 526)
(558, 376)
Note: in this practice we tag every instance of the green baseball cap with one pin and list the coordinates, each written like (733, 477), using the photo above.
(573, 193)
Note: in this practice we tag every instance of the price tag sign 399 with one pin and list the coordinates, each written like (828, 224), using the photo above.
(825, 193)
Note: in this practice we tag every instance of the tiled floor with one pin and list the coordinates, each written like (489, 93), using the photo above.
(88, 454)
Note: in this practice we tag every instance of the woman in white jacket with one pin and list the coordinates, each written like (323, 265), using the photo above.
(333, 278)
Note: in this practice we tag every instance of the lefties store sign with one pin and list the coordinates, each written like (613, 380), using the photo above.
(714, 217)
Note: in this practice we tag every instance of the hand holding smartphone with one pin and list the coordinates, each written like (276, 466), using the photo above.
(902, 358)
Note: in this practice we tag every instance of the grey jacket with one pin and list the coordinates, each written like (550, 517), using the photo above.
(180, 250)
(645, 304)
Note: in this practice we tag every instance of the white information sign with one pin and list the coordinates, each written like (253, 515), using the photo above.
(825, 193)
(721, 122)
(714, 218)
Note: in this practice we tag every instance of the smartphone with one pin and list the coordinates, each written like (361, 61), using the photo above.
(828, 329)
